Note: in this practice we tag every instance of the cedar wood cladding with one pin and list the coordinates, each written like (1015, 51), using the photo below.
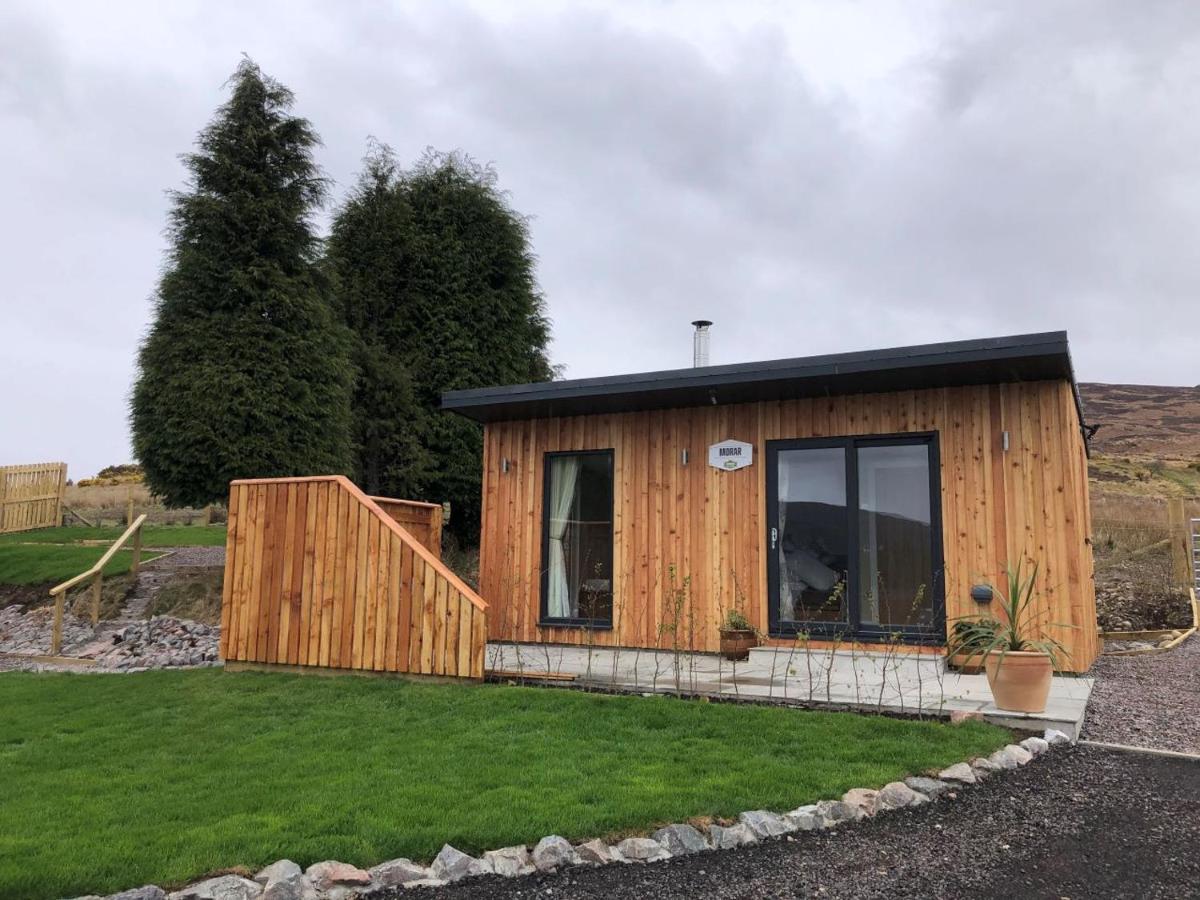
(708, 525)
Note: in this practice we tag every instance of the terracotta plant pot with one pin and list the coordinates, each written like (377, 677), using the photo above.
(1020, 681)
(736, 643)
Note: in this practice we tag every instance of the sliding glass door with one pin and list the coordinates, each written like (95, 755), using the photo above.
(854, 537)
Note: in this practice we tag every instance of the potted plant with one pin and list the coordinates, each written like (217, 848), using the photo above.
(738, 636)
(1018, 659)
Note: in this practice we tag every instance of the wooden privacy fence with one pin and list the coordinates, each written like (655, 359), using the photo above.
(422, 520)
(317, 574)
(31, 496)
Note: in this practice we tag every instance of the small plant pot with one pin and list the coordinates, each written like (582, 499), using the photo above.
(1020, 681)
(737, 643)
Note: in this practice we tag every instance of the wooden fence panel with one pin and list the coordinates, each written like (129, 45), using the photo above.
(422, 520)
(319, 574)
(31, 496)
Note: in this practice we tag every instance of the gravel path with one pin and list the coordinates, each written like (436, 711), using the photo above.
(1082, 823)
(182, 557)
(1151, 700)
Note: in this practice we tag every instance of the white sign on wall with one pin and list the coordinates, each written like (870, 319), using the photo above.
(730, 455)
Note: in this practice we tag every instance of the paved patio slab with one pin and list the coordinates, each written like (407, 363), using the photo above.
(889, 682)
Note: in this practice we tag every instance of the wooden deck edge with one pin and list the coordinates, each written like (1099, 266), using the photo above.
(521, 675)
(50, 659)
(326, 671)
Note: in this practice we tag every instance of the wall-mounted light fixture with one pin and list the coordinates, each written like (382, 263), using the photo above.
(981, 593)
(504, 465)
(1004, 440)
(683, 457)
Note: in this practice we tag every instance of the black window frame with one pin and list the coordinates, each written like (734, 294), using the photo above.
(853, 629)
(544, 619)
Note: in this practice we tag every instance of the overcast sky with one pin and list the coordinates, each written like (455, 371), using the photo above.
(815, 177)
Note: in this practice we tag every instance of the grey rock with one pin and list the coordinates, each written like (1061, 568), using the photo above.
(330, 873)
(864, 798)
(451, 864)
(297, 886)
(146, 892)
(1035, 745)
(960, 772)
(806, 818)
(553, 852)
(727, 837)
(509, 861)
(643, 849)
(396, 872)
(224, 887)
(1020, 754)
(278, 870)
(681, 840)
(1054, 737)
(897, 795)
(1004, 758)
(930, 787)
(766, 824)
(597, 853)
(984, 767)
(835, 812)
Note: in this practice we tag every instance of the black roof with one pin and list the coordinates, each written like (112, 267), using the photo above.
(1022, 357)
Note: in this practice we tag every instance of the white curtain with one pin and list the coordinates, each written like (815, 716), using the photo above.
(564, 476)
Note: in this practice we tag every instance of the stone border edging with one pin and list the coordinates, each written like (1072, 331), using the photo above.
(333, 880)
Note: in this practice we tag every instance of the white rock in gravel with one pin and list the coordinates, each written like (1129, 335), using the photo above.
(681, 840)
(1035, 745)
(643, 849)
(726, 837)
(960, 772)
(295, 887)
(985, 767)
(805, 818)
(451, 864)
(510, 861)
(1054, 737)
(1020, 754)
(766, 824)
(553, 852)
(864, 798)
(396, 872)
(836, 812)
(898, 795)
(930, 787)
(1004, 758)
(598, 853)
(330, 873)
(425, 882)
(146, 892)
(278, 870)
(224, 887)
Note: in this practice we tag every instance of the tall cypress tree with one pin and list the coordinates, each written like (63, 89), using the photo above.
(369, 255)
(454, 298)
(245, 371)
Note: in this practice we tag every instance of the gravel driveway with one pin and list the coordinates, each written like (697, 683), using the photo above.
(1083, 822)
(1152, 700)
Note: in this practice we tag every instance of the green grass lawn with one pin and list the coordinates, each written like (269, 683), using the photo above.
(115, 781)
(152, 535)
(37, 563)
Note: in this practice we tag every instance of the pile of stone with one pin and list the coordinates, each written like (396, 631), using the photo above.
(333, 880)
(30, 632)
(159, 643)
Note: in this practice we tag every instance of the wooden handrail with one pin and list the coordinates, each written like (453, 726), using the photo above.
(96, 574)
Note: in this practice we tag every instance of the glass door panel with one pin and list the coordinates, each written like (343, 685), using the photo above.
(895, 537)
(811, 537)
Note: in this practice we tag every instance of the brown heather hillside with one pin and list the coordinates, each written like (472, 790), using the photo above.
(1144, 420)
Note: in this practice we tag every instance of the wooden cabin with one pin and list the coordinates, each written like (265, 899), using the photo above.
(849, 497)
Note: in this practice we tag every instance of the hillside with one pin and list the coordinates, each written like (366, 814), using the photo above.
(1144, 420)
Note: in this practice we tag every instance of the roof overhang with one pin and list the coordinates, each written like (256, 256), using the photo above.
(1025, 357)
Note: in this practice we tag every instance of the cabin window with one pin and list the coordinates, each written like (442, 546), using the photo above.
(577, 539)
(854, 540)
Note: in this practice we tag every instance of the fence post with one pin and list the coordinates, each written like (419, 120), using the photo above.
(1177, 524)
(56, 635)
(129, 506)
(97, 584)
(137, 552)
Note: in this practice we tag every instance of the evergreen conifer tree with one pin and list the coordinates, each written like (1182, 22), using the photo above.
(245, 371)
